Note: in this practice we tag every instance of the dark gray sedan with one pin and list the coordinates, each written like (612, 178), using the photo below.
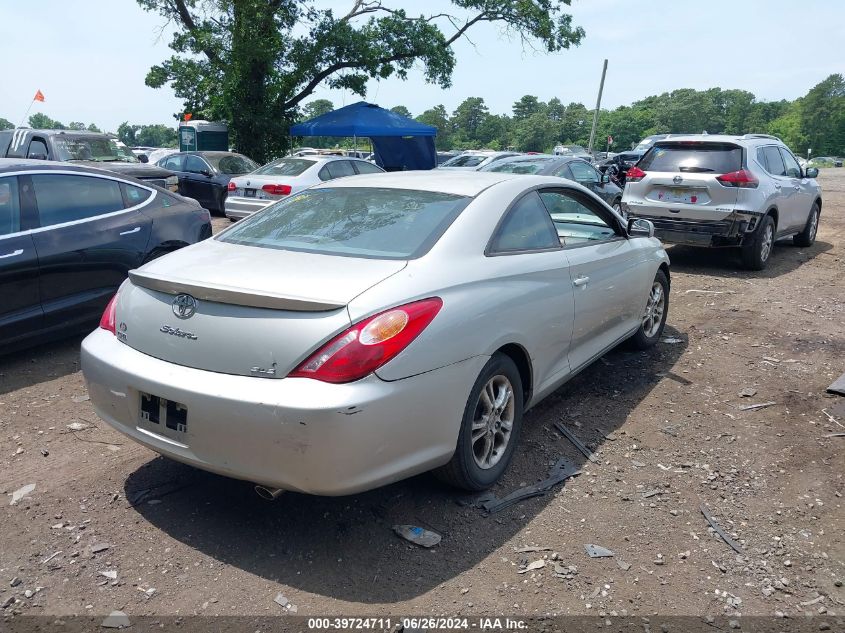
(564, 167)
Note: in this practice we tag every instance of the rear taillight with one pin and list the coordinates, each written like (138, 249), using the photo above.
(366, 346)
(635, 174)
(231, 186)
(742, 178)
(107, 321)
(277, 190)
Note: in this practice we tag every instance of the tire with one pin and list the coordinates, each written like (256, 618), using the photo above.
(494, 446)
(617, 205)
(155, 254)
(656, 311)
(808, 236)
(756, 254)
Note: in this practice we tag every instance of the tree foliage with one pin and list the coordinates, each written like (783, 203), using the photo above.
(5, 124)
(155, 135)
(253, 63)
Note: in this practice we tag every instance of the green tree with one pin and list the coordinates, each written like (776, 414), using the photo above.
(5, 124)
(402, 110)
(526, 106)
(41, 121)
(439, 118)
(316, 108)
(76, 125)
(823, 117)
(535, 133)
(93, 128)
(156, 135)
(253, 62)
(126, 133)
(467, 119)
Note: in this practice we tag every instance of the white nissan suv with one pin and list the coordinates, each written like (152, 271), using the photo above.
(721, 191)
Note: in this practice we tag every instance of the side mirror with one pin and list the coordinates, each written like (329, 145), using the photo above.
(637, 227)
(206, 173)
(811, 172)
(143, 158)
(605, 178)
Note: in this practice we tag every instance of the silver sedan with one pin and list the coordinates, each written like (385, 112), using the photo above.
(372, 328)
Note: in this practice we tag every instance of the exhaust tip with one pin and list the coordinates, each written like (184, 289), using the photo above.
(270, 494)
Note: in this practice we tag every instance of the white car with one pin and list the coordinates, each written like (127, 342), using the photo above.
(475, 160)
(285, 176)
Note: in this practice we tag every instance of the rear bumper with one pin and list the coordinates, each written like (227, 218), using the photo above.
(238, 208)
(292, 433)
(729, 230)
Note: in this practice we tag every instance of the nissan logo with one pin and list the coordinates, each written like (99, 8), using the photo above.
(184, 306)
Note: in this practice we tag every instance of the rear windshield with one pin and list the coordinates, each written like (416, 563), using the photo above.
(231, 164)
(466, 160)
(717, 158)
(520, 166)
(284, 167)
(353, 221)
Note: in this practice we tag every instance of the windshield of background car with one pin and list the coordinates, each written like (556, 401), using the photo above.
(520, 166)
(716, 158)
(571, 149)
(285, 167)
(103, 150)
(465, 160)
(354, 221)
(231, 164)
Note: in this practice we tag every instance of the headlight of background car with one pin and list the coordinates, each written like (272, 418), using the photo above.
(172, 183)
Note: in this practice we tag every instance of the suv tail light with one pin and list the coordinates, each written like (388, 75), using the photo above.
(107, 321)
(369, 344)
(635, 174)
(742, 178)
(231, 186)
(277, 190)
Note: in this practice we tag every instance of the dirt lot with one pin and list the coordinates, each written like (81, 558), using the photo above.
(668, 428)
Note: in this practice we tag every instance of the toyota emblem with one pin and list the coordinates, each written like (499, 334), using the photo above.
(677, 180)
(184, 306)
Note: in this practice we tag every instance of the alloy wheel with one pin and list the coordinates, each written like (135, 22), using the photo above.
(654, 310)
(767, 242)
(492, 422)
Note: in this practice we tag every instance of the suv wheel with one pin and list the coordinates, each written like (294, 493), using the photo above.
(808, 235)
(756, 253)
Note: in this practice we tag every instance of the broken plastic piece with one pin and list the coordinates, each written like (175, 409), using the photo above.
(417, 535)
(597, 551)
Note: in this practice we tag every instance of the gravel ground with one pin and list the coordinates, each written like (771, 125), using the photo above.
(109, 525)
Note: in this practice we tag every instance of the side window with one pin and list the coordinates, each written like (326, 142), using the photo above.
(134, 195)
(793, 170)
(174, 163)
(363, 167)
(774, 162)
(194, 164)
(575, 221)
(564, 172)
(340, 168)
(582, 172)
(324, 174)
(63, 198)
(37, 149)
(527, 227)
(10, 206)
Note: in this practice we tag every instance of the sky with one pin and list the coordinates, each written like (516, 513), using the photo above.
(90, 57)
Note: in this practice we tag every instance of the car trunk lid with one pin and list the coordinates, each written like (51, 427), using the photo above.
(250, 311)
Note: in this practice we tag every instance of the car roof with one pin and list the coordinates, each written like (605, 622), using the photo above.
(459, 183)
(30, 164)
(49, 132)
(764, 139)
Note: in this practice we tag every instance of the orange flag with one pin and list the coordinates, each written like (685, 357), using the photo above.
(188, 116)
(39, 96)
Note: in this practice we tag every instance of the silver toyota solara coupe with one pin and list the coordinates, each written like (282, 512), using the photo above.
(374, 327)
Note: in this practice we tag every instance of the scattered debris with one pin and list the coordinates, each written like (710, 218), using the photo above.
(651, 493)
(281, 600)
(835, 435)
(21, 493)
(709, 292)
(560, 471)
(78, 426)
(110, 574)
(163, 489)
(748, 392)
(732, 543)
(116, 620)
(623, 565)
(838, 386)
(99, 547)
(672, 340)
(808, 310)
(771, 359)
(525, 550)
(597, 551)
(44, 452)
(79, 399)
(15, 582)
(537, 564)
(476, 501)
(417, 535)
(754, 407)
(50, 557)
(810, 603)
(578, 444)
(8, 602)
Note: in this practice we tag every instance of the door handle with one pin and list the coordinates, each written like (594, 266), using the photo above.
(12, 254)
(131, 231)
(796, 187)
(777, 186)
(580, 281)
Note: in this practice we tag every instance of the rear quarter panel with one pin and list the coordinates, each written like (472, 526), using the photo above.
(177, 225)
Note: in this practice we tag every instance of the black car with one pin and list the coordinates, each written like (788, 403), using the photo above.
(68, 237)
(569, 167)
(204, 176)
(92, 149)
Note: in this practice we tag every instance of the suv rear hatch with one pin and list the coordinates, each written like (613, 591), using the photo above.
(681, 181)
(258, 311)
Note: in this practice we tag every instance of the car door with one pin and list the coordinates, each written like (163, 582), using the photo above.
(88, 238)
(525, 252)
(785, 198)
(175, 163)
(607, 272)
(198, 184)
(803, 194)
(20, 307)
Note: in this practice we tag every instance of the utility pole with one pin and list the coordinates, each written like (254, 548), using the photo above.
(596, 113)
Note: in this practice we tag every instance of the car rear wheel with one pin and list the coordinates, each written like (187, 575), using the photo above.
(490, 427)
(617, 205)
(808, 236)
(755, 254)
(654, 316)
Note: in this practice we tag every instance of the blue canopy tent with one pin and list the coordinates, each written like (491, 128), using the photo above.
(400, 143)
